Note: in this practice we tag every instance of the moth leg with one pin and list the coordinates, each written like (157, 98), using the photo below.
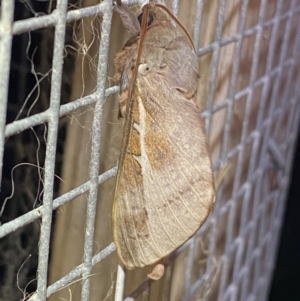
(157, 272)
(123, 99)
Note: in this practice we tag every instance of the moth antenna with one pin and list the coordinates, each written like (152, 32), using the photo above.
(140, 47)
(177, 21)
(143, 33)
(134, 72)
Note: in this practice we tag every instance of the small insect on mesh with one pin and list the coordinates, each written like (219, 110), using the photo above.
(60, 138)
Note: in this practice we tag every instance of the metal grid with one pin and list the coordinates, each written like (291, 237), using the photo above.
(251, 252)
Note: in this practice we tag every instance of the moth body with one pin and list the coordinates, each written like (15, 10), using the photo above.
(164, 189)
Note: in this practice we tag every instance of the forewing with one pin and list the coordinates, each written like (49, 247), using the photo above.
(165, 184)
(164, 190)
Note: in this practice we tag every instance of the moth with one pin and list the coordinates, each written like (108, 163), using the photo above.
(165, 187)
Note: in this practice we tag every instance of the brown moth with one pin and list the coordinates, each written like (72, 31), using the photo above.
(165, 188)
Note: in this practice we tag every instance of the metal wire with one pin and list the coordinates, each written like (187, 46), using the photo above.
(94, 163)
(7, 15)
(251, 252)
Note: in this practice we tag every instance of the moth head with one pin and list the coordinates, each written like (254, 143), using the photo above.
(149, 20)
(132, 21)
(160, 14)
(155, 14)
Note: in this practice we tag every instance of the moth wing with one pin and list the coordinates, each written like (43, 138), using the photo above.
(165, 188)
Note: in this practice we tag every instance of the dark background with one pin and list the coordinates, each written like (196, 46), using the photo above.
(285, 284)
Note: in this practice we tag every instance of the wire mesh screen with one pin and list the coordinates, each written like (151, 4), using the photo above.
(60, 138)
